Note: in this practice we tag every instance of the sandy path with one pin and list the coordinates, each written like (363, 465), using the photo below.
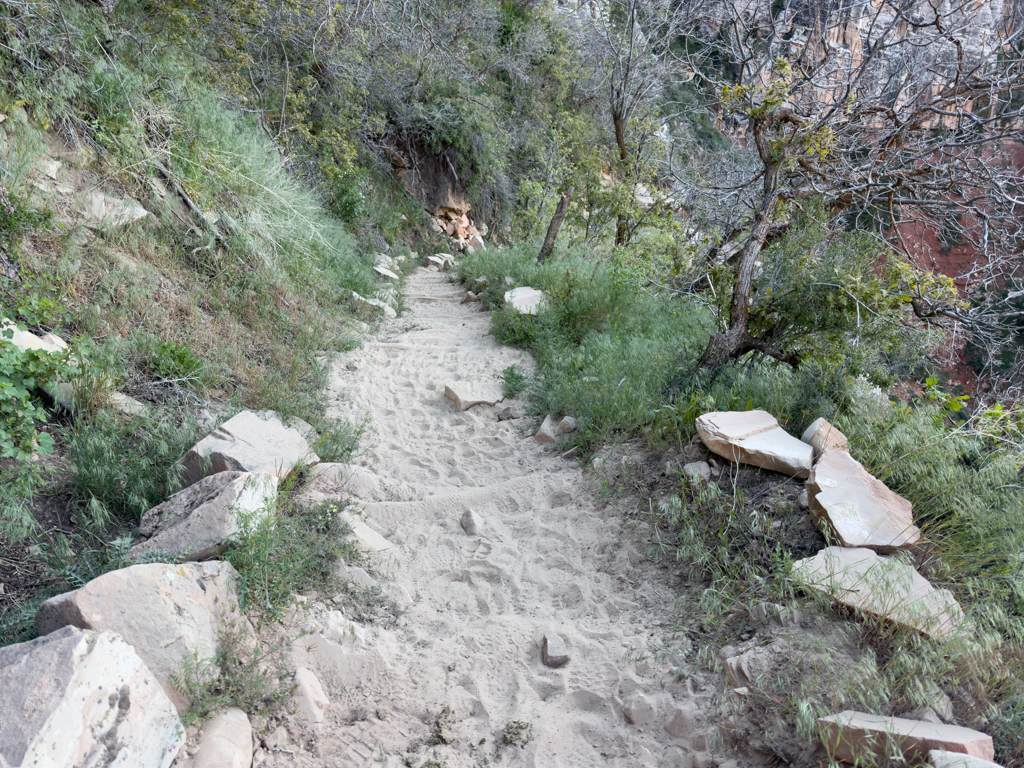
(465, 652)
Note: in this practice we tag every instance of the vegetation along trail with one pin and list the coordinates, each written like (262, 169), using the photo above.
(460, 678)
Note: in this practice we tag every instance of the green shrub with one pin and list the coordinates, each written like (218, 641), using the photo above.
(126, 463)
(23, 375)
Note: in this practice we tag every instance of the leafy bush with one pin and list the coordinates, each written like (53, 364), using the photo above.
(23, 375)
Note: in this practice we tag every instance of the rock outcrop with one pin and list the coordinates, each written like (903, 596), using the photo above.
(197, 521)
(165, 612)
(857, 509)
(882, 587)
(854, 736)
(755, 437)
(247, 442)
(81, 698)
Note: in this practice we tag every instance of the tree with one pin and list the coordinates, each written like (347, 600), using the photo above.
(631, 45)
(892, 113)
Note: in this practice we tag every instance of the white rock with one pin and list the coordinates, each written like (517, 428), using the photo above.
(857, 509)
(198, 520)
(226, 741)
(640, 709)
(166, 612)
(80, 698)
(881, 586)
(546, 433)
(437, 262)
(566, 425)
(367, 537)
(474, 244)
(525, 301)
(343, 631)
(25, 340)
(103, 212)
(310, 700)
(804, 499)
(469, 298)
(553, 651)
(755, 437)
(822, 436)
(941, 758)
(697, 472)
(247, 442)
(466, 394)
(126, 405)
(352, 574)
(334, 481)
(386, 273)
(471, 523)
(372, 304)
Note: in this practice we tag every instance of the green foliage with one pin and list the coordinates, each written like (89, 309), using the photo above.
(515, 380)
(295, 550)
(253, 679)
(17, 217)
(23, 374)
(339, 440)
(127, 463)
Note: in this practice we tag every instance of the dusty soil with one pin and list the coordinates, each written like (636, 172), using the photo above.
(457, 679)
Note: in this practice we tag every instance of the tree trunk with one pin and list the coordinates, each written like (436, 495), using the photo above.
(556, 224)
(734, 341)
(622, 224)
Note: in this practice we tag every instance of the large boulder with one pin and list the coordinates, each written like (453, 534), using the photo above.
(882, 587)
(755, 437)
(525, 301)
(198, 521)
(80, 698)
(168, 613)
(25, 340)
(247, 442)
(857, 509)
(871, 739)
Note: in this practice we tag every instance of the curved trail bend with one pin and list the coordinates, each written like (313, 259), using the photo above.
(463, 661)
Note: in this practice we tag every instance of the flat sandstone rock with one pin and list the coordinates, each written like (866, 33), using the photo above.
(465, 395)
(881, 586)
(200, 519)
(755, 437)
(851, 736)
(166, 613)
(822, 436)
(76, 697)
(247, 442)
(857, 509)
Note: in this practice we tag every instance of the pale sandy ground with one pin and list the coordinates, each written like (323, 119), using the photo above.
(466, 648)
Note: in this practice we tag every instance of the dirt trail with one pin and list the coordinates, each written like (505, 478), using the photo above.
(463, 661)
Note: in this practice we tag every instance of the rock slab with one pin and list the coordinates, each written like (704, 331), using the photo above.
(465, 395)
(226, 741)
(198, 520)
(310, 700)
(80, 698)
(755, 437)
(332, 481)
(851, 736)
(857, 509)
(165, 612)
(822, 436)
(882, 587)
(525, 300)
(941, 758)
(247, 442)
